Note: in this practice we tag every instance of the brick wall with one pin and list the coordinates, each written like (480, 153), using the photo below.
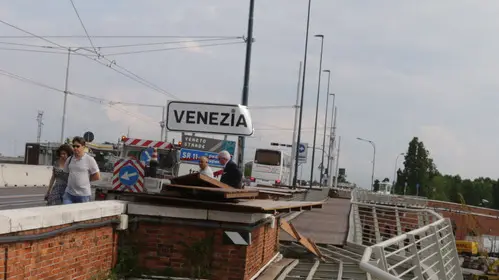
(184, 251)
(79, 254)
(264, 245)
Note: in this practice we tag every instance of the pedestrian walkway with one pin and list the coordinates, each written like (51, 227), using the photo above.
(328, 225)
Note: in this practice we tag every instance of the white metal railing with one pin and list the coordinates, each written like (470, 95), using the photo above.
(403, 239)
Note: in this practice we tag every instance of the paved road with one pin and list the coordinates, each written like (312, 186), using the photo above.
(21, 197)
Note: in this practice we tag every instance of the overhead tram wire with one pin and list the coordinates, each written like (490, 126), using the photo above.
(114, 54)
(122, 46)
(138, 79)
(174, 48)
(117, 36)
(101, 101)
(83, 25)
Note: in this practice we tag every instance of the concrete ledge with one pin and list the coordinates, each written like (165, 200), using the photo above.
(195, 214)
(41, 217)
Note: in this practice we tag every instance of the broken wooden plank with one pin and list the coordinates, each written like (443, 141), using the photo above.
(225, 193)
(304, 241)
(200, 180)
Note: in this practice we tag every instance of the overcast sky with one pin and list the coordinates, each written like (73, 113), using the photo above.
(399, 68)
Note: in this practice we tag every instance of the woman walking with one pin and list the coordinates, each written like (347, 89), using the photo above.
(59, 179)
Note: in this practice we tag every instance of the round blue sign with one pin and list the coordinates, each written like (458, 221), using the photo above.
(129, 175)
(302, 148)
(146, 154)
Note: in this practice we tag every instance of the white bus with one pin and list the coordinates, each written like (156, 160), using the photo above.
(271, 167)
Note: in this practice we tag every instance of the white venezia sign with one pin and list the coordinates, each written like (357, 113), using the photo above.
(209, 118)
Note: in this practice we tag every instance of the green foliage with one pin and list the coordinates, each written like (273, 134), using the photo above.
(247, 170)
(420, 169)
(376, 185)
(198, 254)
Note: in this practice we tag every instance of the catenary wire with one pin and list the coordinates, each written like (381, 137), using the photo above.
(133, 76)
(83, 25)
(174, 48)
(101, 101)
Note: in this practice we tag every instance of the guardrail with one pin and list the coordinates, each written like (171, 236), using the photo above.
(402, 238)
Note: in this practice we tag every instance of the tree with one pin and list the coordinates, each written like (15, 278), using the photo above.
(376, 185)
(419, 169)
(495, 195)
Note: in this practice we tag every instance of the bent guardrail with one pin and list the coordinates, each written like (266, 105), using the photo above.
(402, 239)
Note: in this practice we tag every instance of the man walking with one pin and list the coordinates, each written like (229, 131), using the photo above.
(231, 175)
(82, 170)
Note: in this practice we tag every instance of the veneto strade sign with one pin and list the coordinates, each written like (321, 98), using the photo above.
(209, 118)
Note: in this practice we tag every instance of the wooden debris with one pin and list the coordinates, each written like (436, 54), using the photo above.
(306, 242)
(199, 180)
(225, 193)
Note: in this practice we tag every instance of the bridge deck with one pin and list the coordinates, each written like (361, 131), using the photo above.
(328, 225)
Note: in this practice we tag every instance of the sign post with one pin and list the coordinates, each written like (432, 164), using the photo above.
(302, 152)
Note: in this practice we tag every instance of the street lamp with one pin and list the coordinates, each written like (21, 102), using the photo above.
(247, 66)
(316, 108)
(297, 152)
(325, 125)
(374, 158)
(395, 170)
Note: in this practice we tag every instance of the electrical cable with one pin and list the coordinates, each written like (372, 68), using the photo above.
(45, 235)
(116, 36)
(101, 101)
(138, 79)
(83, 25)
(174, 48)
(119, 46)
(38, 51)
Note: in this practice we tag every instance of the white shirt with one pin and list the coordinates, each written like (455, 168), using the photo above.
(207, 171)
(80, 171)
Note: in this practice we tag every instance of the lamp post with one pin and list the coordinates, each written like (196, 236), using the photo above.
(247, 66)
(297, 151)
(317, 108)
(325, 126)
(395, 169)
(374, 158)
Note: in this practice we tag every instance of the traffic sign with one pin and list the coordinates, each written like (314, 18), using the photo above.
(146, 154)
(302, 152)
(128, 175)
(210, 118)
(192, 156)
(88, 136)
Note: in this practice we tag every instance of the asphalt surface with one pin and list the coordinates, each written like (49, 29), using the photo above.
(22, 197)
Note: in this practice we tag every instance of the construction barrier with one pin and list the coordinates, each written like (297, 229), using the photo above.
(21, 175)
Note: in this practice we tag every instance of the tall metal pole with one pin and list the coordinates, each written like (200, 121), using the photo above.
(374, 158)
(249, 43)
(332, 143)
(293, 142)
(325, 127)
(298, 140)
(65, 97)
(163, 124)
(316, 111)
(337, 165)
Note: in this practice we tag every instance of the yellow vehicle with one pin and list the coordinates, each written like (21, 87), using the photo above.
(468, 248)
(485, 277)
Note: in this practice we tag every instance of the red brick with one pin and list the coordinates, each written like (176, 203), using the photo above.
(55, 257)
